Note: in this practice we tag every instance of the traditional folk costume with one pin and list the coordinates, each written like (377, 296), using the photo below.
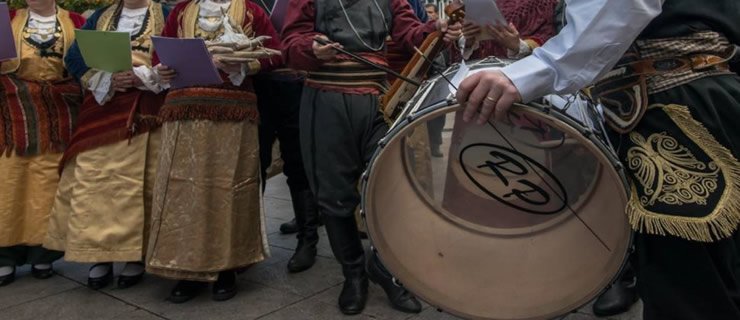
(207, 215)
(279, 101)
(671, 104)
(102, 208)
(341, 122)
(535, 21)
(38, 105)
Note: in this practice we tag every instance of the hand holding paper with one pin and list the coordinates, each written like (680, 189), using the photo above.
(193, 69)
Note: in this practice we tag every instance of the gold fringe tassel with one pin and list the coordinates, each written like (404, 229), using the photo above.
(724, 220)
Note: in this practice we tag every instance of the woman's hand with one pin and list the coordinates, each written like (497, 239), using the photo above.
(506, 36)
(165, 74)
(122, 81)
(472, 33)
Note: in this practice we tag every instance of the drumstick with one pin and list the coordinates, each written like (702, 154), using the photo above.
(369, 63)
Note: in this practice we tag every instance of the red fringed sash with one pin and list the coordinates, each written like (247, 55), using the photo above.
(214, 104)
(36, 117)
(128, 114)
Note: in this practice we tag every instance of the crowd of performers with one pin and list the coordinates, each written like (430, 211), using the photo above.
(103, 168)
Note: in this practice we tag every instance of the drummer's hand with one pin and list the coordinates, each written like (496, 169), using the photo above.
(472, 32)
(165, 74)
(490, 93)
(325, 52)
(451, 32)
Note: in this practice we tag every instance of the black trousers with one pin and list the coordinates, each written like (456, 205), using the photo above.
(339, 134)
(21, 255)
(279, 107)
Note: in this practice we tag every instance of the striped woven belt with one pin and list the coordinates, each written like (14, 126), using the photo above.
(348, 74)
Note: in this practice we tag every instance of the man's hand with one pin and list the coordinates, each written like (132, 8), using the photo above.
(451, 32)
(487, 93)
(165, 74)
(122, 81)
(325, 52)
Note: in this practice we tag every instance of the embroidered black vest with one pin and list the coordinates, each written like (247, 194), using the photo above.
(359, 26)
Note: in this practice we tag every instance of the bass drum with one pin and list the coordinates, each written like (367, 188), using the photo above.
(522, 219)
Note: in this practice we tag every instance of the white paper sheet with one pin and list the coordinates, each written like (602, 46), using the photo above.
(484, 12)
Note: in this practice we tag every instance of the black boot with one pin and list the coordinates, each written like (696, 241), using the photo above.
(289, 227)
(619, 297)
(398, 296)
(307, 217)
(347, 247)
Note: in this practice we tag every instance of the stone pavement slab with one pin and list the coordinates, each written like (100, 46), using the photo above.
(267, 291)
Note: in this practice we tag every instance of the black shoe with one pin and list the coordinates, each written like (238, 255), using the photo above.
(185, 290)
(289, 227)
(436, 152)
(100, 282)
(347, 247)
(225, 287)
(42, 274)
(616, 300)
(399, 297)
(7, 279)
(307, 219)
(125, 282)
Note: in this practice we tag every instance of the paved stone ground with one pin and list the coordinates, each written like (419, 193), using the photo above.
(267, 291)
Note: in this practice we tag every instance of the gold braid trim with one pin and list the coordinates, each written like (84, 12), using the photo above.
(724, 220)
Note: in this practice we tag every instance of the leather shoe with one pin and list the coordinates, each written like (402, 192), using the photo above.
(7, 279)
(289, 227)
(100, 282)
(400, 298)
(185, 290)
(616, 300)
(225, 287)
(125, 282)
(42, 274)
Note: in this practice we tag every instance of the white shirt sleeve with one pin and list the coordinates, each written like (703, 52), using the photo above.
(598, 33)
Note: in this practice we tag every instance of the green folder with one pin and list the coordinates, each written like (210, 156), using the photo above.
(105, 50)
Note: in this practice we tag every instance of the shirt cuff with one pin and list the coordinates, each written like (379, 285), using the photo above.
(100, 84)
(530, 76)
(238, 77)
(149, 77)
(524, 50)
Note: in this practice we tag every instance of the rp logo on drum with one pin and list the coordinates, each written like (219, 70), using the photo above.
(513, 179)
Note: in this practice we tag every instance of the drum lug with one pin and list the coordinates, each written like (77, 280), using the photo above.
(397, 283)
(373, 250)
(382, 143)
(362, 214)
(619, 166)
(588, 133)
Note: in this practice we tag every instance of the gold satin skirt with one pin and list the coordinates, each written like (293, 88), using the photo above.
(103, 204)
(27, 189)
(207, 213)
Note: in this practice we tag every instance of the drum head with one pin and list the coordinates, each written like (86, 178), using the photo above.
(516, 221)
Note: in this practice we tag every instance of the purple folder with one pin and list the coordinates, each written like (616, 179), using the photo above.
(7, 44)
(279, 10)
(191, 60)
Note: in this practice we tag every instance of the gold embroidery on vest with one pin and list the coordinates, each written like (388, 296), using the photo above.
(669, 172)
